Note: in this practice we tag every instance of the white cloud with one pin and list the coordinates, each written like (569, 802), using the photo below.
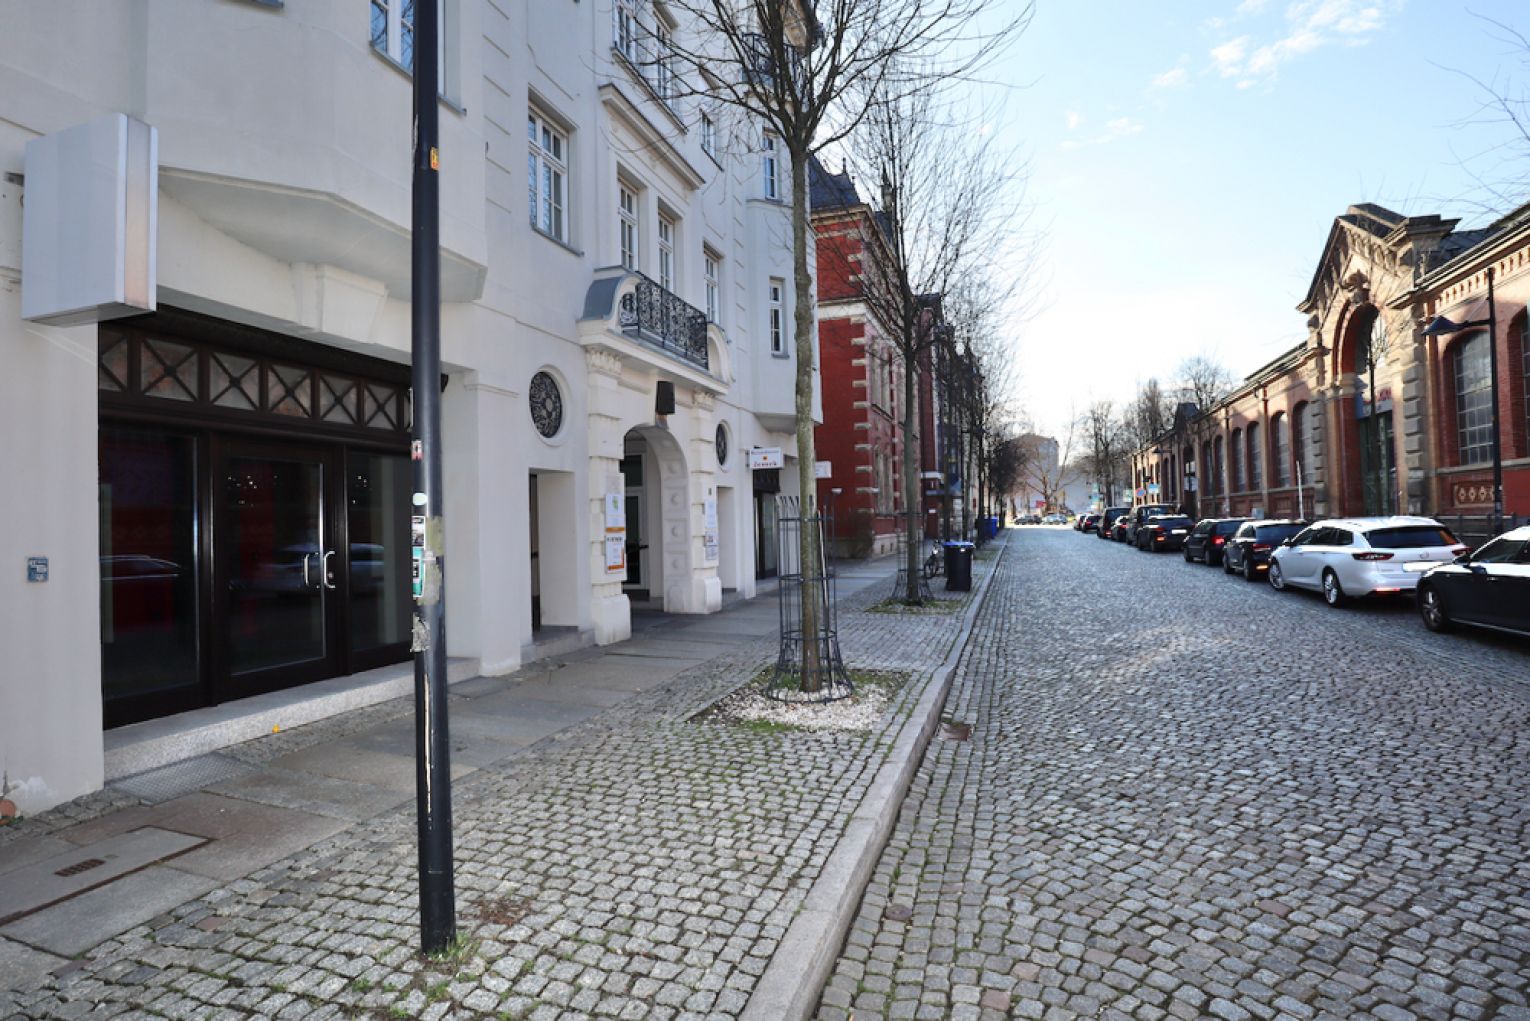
(1174, 78)
(1073, 119)
(1121, 127)
(1309, 24)
(1228, 57)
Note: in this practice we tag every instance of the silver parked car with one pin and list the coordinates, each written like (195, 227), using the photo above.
(1346, 558)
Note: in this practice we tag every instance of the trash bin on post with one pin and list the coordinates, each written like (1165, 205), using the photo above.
(959, 566)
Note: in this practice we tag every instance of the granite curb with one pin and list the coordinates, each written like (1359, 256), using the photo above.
(789, 988)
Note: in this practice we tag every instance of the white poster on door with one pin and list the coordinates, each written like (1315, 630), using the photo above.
(616, 514)
(616, 552)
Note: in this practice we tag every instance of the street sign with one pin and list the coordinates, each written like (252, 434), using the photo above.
(823, 469)
(1152, 489)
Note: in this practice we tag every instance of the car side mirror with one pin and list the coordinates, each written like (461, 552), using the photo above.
(1287, 542)
(1464, 559)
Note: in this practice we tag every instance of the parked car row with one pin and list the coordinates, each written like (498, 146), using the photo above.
(1344, 559)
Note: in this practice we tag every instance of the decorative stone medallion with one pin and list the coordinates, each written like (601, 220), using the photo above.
(722, 444)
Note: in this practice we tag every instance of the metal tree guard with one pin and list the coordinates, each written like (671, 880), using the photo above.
(793, 673)
(900, 584)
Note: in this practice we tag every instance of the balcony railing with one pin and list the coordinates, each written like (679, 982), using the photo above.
(650, 313)
(760, 65)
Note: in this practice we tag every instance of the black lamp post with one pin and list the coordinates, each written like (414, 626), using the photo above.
(1439, 326)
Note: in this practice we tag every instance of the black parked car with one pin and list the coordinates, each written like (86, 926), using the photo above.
(1140, 514)
(1087, 522)
(1209, 538)
(1248, 551)
(1489, 588)
(1108, 518)
(1164, 532)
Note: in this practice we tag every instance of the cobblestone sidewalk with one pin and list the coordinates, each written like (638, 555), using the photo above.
(638, 865)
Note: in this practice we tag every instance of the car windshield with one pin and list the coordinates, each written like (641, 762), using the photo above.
(1276, 533)
(1410, 537)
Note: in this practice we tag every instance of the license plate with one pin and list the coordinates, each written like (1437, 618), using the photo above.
(1178, 531)
(1420, 566)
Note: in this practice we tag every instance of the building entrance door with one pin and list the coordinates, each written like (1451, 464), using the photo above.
(275, 567)
(1378, 468)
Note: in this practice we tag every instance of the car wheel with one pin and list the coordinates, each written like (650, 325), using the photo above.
(1277, 580)
(1248, 569)
(1226, 565)
(1333, 592)
(1188, 558)
(1432, 608)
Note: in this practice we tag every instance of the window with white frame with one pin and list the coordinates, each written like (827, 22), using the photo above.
(770, 168)
(627, 227)
(708, 135)
(663, 63)
(624, 30)
(547, 176)
(777, 318)
(667, 252)
(392, 31)
(713, 270)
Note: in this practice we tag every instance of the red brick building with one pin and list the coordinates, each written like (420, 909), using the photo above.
(1369, 414)
(862, 375)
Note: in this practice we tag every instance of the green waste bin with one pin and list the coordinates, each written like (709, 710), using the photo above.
(959, 566)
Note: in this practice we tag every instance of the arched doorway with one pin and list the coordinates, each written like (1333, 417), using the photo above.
(1367, 437)
(662, 562)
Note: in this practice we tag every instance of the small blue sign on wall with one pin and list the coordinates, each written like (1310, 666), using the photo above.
(37, 568)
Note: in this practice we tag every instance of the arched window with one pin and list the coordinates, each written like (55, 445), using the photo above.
(1280, 450)
(1219, 465)
(1524, 356)
(1207, 472)
(1299, 443)
(1474, 399)
(1236, 454)
(1255, 458)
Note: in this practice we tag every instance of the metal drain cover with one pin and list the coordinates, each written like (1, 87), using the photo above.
(66, 875)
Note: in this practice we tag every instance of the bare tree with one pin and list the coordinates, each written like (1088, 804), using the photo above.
(1044, 469)
(788, 67)
(1106, 451)
(1203, 381)
(1502, 170)
(948, 203)
(1148, 416)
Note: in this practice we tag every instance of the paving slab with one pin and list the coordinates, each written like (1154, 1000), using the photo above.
(669, 647)
(77, 869)
(19, 853)
(312, 792)
(244, 836)
(82, 922)
(349, 760)
(22, 966)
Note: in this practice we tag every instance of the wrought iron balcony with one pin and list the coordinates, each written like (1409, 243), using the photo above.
(760, 65)
(650, 313)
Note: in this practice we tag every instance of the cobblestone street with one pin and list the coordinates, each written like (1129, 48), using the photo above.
(1186, 795)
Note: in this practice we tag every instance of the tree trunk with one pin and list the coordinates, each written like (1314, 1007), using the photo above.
(911, 499)
(807, 456)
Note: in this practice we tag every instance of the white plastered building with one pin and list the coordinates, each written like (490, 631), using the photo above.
(216, 491)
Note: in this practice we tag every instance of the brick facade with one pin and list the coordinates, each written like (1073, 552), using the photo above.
(1380, 278)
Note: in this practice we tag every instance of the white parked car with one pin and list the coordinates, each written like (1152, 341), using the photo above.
(1346, 558)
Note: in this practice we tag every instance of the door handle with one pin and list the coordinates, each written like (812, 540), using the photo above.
(306, 582)
(325, 577)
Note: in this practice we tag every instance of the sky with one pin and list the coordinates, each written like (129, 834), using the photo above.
(1187, 160)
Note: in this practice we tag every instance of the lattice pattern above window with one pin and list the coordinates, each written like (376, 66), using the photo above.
(150, 371)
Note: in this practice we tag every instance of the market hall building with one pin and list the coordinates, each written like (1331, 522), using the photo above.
(1370, 415)
(204, 304)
